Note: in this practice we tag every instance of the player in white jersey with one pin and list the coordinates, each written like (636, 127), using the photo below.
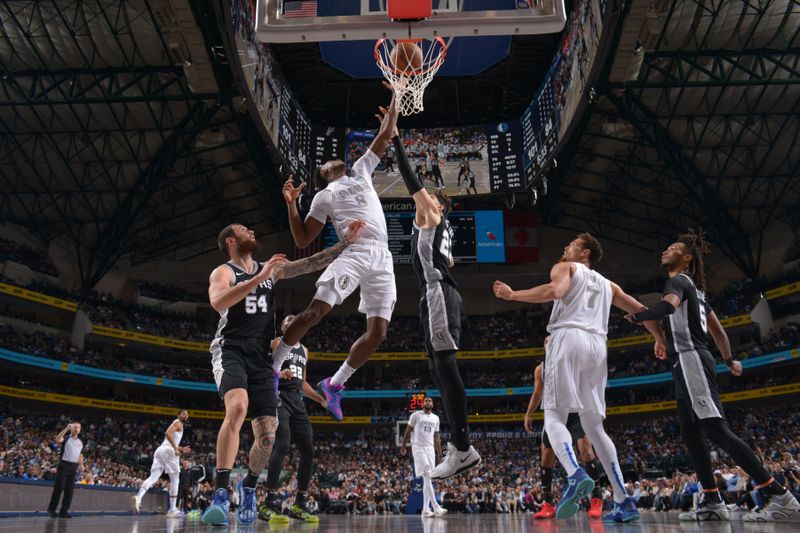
(366, 264)
(575, 369)
(167, 459)
(423, 432)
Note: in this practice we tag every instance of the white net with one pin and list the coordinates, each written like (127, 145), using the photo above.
(409, 83)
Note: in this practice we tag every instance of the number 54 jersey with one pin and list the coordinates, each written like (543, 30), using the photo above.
(586, 305)
(253, 316)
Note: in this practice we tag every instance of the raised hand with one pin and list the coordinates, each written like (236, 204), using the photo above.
(290, 192)
(269, 266)
(354, 230)
(501, 290)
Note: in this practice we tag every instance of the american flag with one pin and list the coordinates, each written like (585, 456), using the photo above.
(300, 8)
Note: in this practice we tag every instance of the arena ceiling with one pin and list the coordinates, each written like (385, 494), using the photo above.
(122, 130)
(695, 123)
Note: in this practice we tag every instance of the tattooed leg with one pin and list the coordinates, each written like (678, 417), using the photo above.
(264, 428)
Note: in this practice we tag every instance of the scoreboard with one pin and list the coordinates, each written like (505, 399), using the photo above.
(328, 144)
(294, 137)
(506, 171)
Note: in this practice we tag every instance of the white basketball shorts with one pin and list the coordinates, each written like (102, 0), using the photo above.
(424, 459)
(366, 264)
(575, 372)
(165, 460)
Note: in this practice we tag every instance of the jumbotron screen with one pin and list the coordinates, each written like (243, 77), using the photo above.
(470, 160)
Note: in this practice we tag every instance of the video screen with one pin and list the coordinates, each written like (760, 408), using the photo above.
(455, 160)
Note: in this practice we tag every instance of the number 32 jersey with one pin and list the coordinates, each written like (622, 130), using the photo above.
(586, 305)
(254, 315)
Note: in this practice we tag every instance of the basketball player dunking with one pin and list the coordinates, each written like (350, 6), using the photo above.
(688, 319)
(366, 264)
(241, 290)
(576, 373)
(423, 432)
(166, 459)
(548, 456)
(294, 427)
(439, 310)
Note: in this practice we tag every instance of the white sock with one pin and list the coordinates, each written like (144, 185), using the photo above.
(147, 483)
(343, 374)
(606, 451)
(427, 492)
(279, 355)
(560, 438)
(174, 480)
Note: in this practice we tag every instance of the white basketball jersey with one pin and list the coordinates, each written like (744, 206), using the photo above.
(424, 428)
(351, 198)
(176, 436)
(586, 305)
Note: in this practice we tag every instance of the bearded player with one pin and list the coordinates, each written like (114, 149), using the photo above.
(241, 291)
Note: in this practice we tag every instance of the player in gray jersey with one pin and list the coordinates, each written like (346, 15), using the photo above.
(440, 312)
(688, 319)
(576, 372)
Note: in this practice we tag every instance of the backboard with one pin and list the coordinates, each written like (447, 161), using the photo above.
(291, 21)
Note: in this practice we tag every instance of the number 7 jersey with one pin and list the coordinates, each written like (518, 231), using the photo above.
(251, 317)
(586, 305)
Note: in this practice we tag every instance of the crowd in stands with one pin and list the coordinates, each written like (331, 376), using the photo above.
(34, 259)
(364, 473)
(513, 373)
(169, 292)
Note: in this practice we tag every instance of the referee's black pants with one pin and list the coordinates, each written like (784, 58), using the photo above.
(65, 482)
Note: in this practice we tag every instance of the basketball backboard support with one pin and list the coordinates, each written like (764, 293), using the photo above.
(292, 21)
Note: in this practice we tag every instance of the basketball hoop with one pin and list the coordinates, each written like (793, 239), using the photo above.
(410, 81)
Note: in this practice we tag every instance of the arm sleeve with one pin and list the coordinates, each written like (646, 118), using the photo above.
(409, 176)
(657, 312)
(365, 165)
(320, 206)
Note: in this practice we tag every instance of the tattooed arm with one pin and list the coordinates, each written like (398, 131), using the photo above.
(319, 260)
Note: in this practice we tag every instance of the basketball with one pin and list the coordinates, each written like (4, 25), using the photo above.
(406, 56)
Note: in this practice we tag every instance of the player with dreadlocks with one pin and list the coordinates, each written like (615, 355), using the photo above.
(688, 319)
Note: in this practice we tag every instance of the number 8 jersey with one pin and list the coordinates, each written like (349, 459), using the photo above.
(586, 305)
(254, 315)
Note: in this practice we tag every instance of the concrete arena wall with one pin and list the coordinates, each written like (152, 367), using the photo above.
(34, 496)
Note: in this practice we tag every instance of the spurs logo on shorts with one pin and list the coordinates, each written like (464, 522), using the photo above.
(343, 281)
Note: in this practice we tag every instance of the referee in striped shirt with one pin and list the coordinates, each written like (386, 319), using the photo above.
(71, 460)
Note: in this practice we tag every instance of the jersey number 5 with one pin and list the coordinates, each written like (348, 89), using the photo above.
(253, 303)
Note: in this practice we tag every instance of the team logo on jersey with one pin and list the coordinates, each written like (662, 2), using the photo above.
(344, 281)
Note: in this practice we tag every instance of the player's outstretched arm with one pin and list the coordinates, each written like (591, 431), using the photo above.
(631, 305)
(723, 343)
(560, 280)
(319, 260)
(302, 232)
(387, 130)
